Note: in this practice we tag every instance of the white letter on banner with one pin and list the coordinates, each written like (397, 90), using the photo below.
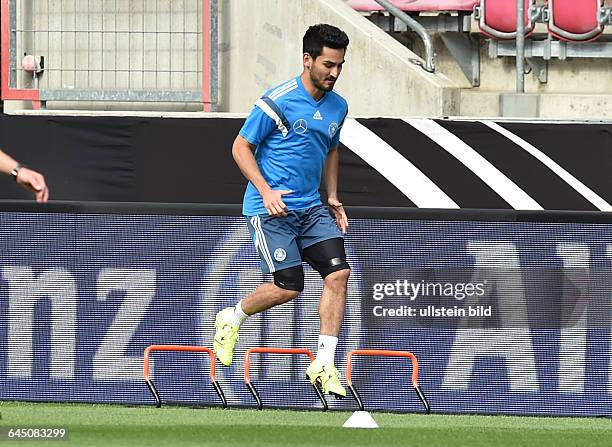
(24, 292)
(110, 363)
(573, 321)
(498, 264)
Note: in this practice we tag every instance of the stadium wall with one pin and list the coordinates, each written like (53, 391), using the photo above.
(421, 163)
(515, 302)
(507, 312)
(261, 46)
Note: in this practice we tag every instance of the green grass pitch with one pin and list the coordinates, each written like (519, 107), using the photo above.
(114, 425)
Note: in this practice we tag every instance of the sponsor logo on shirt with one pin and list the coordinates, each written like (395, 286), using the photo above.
(300, 126)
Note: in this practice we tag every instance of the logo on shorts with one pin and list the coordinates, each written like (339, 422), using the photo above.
(300, 126)
(333, 128)
(280, 254)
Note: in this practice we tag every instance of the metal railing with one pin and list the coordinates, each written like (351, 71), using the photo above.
(417, 28)
(109, 50)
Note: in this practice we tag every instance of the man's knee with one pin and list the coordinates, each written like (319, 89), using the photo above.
(338, 279)
(285, 296)
(290, 280)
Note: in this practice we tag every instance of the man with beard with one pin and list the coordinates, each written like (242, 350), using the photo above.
(290, 140)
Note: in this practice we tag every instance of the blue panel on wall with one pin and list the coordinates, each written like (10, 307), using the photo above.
(504, 317)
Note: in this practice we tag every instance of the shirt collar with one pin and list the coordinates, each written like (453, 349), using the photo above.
(309, 97)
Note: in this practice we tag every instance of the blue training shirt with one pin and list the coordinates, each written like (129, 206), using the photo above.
(293, 134)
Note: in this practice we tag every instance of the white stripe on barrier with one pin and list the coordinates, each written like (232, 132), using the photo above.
(406, 177)
(568, 178)
(497, 180)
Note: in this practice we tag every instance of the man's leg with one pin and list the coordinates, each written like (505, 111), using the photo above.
(333, 299)
(288, 283)
(230, 319)
(266, 296)
(329, 259)
(331, 313)
(275, 241)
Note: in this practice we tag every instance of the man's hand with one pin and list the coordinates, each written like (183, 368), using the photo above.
(273, 202)
(339, 214)
(35, 182)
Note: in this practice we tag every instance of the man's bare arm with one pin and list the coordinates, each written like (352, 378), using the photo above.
(331, 183)
(242, 151)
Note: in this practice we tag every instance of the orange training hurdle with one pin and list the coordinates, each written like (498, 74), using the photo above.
(385, 353)
(289, 351)
(181, 348)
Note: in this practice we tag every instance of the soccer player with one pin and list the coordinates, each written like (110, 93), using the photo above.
(27, 178)
(288, 141)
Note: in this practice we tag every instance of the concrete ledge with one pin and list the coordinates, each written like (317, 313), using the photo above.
(553, 106)
(525, 105)
(576, 106)
(479, 103)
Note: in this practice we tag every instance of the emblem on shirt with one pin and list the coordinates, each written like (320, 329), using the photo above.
(333, 128)
(300, 126)
(280, 254)
(318, 116)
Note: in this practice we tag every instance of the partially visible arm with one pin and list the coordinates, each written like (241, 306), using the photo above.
(331, 183)
(7, 163)
(330, 173)
(27, 178)
(242, 151)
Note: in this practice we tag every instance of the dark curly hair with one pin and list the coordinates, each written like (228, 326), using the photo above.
(323, 35)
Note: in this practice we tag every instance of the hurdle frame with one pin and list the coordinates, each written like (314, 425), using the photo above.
(180, 348)
(385, 353)
(285, 351)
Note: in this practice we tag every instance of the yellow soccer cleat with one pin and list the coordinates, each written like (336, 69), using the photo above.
(226, 336)
(327, 376)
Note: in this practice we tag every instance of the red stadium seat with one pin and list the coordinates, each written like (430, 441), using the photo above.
(575, 20)
(497, 18)
(416, 5)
